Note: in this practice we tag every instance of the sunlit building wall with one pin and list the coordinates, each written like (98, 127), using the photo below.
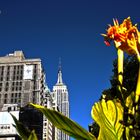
(21, 79)
(7, 130)
(61, 97)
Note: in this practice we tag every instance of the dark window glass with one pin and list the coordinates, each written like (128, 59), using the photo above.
(12, 95)
(6, 89)
(5, 101)
(11, 100)
(19, 95)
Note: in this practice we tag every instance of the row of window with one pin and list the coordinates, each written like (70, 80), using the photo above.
(15, 98)
(15, 74)
(5, 127)
(12, 95)
(15, 86)
(12, 101)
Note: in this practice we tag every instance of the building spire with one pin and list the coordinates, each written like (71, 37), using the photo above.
(59, 80)
(59, 66)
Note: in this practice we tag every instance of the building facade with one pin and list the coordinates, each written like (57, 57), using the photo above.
(48, 127)
(21, 80)
(61, 97)
(7, 130)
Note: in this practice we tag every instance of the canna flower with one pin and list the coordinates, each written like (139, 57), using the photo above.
(125, 36)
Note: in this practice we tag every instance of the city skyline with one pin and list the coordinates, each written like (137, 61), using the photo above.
(70, 30)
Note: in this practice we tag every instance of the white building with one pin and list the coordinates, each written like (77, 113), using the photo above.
(47, 125)
(61, 97)
(7, 130)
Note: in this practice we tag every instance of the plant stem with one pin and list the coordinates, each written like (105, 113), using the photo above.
(120, 67)
(138, 83)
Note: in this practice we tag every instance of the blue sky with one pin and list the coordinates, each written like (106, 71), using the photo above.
(70, 29)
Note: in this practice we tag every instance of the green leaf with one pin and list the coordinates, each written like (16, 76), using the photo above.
(130, 100)
(107, 115)
(65, 124)
(23, 132)
(33, 136)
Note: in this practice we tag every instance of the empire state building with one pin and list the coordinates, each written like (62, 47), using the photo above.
(61, 97)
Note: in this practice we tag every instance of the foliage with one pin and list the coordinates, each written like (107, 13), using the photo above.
(130, 74)
(23, 132)
(110, 127)
(94, 129)
(117, 114)
(65, 124)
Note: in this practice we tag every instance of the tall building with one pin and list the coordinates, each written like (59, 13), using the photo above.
(61, 97)
(21, 80)
(48, 133)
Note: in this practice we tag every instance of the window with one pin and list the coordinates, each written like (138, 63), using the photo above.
(21, 77)
(5, 101)
(8, 68)
(1, 78)
(13, 83)
(19, 95)
(21, 72)
(5, 95)
(15, 100)
(14, 77)
(12, 88)
(11, 100)
(7, 78)
(6, 86)
(7, 72)
(15, 94)
(12, 95)
(6, 89)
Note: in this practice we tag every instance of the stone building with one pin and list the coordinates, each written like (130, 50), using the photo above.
(21, 80)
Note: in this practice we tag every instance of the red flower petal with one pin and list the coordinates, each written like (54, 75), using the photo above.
(107, 43)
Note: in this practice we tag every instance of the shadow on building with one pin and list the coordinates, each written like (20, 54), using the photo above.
(32, 119)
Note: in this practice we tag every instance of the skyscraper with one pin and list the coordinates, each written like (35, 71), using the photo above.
(21, 80)
(61, 97)
(48, 128)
